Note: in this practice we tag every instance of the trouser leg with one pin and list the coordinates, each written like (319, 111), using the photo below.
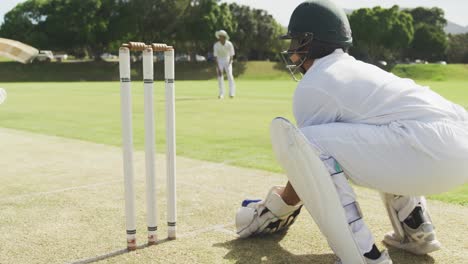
(220, 80)
(404, 205)
(232, 85)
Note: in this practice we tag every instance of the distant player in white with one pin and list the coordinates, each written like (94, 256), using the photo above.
(372, 127)
(223, 51)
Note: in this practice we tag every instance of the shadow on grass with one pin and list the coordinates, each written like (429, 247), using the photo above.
(266, 249)
(113, 254)
(400, 256)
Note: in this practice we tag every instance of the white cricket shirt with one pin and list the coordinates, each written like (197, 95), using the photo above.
(223, 52)
(339, 88)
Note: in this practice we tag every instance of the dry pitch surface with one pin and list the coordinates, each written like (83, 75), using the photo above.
(61, 201)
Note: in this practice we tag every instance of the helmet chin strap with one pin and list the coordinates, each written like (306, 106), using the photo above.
(301, 66)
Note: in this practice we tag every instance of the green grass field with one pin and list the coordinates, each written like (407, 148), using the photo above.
(233, 132)
(4, 59)
(61, 201)
(433, 72)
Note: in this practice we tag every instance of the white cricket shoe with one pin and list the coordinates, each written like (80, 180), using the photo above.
(419, 241)
(220, 96)
(384, 259)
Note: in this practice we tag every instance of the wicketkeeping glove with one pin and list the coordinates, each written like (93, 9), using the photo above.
(257, 217)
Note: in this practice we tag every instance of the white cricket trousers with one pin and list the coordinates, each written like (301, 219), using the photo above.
(407, 158)
(225, 66)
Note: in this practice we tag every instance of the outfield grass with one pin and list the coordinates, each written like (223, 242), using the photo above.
(231, 131)
(433, 72)
(234, 131)
(5, 59)
(456, 91)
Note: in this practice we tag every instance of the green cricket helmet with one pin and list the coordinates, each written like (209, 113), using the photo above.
(326, 21)
(316, 29)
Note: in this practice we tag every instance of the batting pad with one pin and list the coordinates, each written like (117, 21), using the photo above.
(313, 184)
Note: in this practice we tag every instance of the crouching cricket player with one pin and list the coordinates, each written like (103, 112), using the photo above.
(360, 123)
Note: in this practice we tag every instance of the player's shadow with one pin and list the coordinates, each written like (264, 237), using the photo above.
(400, 256)
(109, 255)
(266, 249)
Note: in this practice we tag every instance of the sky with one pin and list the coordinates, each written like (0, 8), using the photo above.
(7, 5)
(455, 10)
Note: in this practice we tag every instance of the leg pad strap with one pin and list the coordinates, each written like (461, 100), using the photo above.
(353, 212)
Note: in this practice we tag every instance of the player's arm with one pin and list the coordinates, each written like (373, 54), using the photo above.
(218, 70)
(314, 106)
(215, 55)
(231, 53)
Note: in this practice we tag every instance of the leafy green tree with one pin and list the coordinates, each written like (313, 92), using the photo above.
(431, 16)
(458, 48)
(257, 34)
(430, 41)
(246, 25)
(22, 24)
(381, 34)
(153, 20)
(201, 19)
(94, 26)
(267, 44)
(67, 25)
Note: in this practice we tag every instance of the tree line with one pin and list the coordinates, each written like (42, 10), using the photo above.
(396, 34)
(92, 27)
(88, 28)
